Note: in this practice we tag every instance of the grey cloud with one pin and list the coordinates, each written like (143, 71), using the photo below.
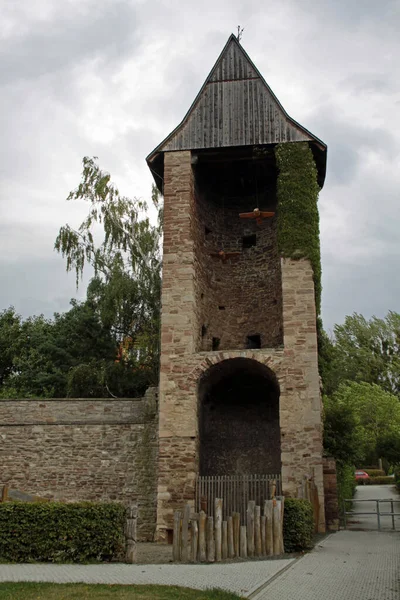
(63, 44)
(68, 76)
(348, 143)
(37, 287)
(353, 13)
(368, 288)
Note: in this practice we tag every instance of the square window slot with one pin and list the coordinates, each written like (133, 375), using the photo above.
(215, 343)
(248, 241)
(253, 342)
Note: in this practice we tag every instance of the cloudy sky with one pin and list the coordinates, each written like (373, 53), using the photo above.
(112, 78)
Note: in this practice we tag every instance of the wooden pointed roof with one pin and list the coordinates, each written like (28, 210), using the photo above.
(235, 107)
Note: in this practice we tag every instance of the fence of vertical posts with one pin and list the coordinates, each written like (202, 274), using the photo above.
(202, 538)
(236, 490)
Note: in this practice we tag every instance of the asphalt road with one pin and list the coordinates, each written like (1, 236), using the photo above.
(365, 501)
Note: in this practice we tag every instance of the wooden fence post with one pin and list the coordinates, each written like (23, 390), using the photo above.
(210, 540)
(263, 535)
(218, 529)
(243, 541)
(185, 534)
(176, 542)
(130, 533)
(272, 491)
(269, 544)
(231, 545)
(276, 526)
(282, 515)
(236, 532)
(257, 532)
(224, 540)
(195, 538)
(202, 536)
(250, 527)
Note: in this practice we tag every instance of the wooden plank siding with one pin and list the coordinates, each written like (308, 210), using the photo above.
(235, 107)
(234, 113)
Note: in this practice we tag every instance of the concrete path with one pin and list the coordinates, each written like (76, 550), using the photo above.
(349, 565)
(242, 578)
(374, 492)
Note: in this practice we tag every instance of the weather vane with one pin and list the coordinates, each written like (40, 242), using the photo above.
(240, 32)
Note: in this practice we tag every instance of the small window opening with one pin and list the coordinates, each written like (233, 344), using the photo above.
(248, 241)
(215, 343)
(221, 307)
(202, 296)
(207, 231)
(203, 330)
(253, 341)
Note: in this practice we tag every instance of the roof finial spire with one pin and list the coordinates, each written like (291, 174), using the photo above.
(239, 33)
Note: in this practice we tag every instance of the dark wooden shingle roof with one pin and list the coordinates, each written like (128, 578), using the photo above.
(236, 107)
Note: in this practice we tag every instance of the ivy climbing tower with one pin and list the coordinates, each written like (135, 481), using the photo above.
(239, 385)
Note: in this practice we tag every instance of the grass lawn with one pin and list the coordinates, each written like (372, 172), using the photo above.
(83, 591)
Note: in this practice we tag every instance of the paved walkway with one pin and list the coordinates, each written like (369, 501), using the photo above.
(374, 492)
(242, 578)
(349, 565)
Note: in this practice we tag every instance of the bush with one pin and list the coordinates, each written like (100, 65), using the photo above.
(57, 532)
(375, 472)
(378, 481)
(346, 483)
(298, 525)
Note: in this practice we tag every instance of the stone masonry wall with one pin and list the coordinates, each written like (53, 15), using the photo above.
(75, 450)
(301, 405)
(182, 364)
(295, 365)
(242, 296)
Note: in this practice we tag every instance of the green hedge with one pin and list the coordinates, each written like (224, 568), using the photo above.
(377, 481)
(58, 532)
(375, 472)
(298, 525)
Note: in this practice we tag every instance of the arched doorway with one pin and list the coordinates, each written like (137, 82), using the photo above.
(239, 419)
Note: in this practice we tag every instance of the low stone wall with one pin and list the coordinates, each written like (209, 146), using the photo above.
(80, 449)
(330, 492)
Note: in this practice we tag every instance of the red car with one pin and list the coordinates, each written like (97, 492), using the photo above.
(361, 476)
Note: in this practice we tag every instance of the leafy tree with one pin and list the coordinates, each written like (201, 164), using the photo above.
(388, 447)
(368, 351)
(372, 412)
(342, 435)
(126, 288)
(47, 349)
(327, 360)
(10, 330)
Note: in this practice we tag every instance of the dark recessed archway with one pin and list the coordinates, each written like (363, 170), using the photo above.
(239, 419)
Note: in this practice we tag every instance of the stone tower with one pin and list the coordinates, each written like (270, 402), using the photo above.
(239, 384)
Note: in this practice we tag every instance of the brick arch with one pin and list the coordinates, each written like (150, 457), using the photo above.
(214, 359)
(238, 412)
